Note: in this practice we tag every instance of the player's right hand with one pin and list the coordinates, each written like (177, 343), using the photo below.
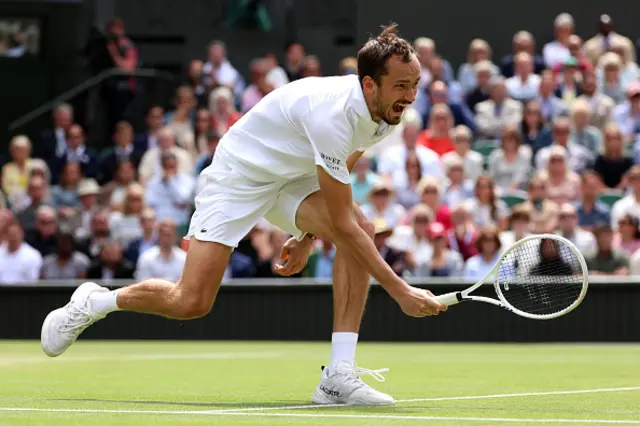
(419, 303)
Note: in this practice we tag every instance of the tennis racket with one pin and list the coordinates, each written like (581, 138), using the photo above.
(539, 277)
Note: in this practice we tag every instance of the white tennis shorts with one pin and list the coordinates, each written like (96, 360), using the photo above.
(230, 204)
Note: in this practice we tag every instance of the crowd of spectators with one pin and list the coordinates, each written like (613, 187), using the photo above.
(542, 140)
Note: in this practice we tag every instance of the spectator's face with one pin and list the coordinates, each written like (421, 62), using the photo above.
(524, 67)
(483, 190)
(135, 202)
(456, 173)
(430, 197)
(634, 99)
(15, 235)
(20, 153)
(258, 72)
(488, 246)
(441, 121)
(36, 190)
(521, 225)
(270, 61)
(413, 168)
(569, 74)
(46, 224)
(510, 143)
(71, 174)
(568, 222)
(148, 223)
(195, 69)
(217, 54)
(410, 135)
(627, 227)
(75, 136)
(532, 115)
(480, 54)
(89, 201)
(557, 165)
(436, 69)
(167, 235)
(154, 118)
(64, 246)
(483, 78)
(100, 224)
(581, 119)
(575, 46)
(523, 44)
(563, 31)
(561, 134)
(185, 99)
(123, 135)
(380, 199)
(362, 166)
(125, 173)
(396, 91)
(295, 54)
(116, 28)
(111, 254)
(170, 165)
(611, 73)
(498, 92)
(420, 225)
(311, 68)
(463, 144)
(424, 54)
(166, 140)
(537, 191)
(605, 27)
(590, 187)
(459, 217)
(439, 93)
(222, 104)
(547, 84)
(604, 240)
(62, 119)
(589, 84)
(203, 121)
(613, 141)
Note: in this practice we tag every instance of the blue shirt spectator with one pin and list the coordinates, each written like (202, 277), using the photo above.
(170, 195)
(438, 93)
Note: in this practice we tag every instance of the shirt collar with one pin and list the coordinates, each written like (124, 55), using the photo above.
(360, 106)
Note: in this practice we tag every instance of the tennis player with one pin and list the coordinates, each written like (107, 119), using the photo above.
(288, 160)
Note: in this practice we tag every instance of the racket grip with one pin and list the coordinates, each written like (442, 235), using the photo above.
(449, 298)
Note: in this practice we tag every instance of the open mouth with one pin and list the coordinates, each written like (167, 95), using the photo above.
(398, 108)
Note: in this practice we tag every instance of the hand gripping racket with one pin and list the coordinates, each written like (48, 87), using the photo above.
(539, 277)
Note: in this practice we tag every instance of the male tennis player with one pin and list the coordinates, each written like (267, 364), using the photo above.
(288, 160)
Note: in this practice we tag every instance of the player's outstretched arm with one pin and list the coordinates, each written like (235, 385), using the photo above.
(349, 236)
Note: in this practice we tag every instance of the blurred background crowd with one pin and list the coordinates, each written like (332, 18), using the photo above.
(542, 140)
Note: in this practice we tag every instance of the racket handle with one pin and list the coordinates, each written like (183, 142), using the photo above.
(449, 298)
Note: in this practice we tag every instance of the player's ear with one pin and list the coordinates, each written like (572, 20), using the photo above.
(368, 83)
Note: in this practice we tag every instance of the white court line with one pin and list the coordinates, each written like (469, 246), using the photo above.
(10, 359)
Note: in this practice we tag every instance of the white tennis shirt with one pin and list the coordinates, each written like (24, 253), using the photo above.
(316, 121)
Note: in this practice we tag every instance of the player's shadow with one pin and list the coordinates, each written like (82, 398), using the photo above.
(237, 405)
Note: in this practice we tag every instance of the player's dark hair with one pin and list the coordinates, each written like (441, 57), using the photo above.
(373, 56)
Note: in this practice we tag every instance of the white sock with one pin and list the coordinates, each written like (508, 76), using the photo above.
(103, 302)
(343, 348)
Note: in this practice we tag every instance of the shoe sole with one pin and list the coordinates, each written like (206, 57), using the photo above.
(45, 326)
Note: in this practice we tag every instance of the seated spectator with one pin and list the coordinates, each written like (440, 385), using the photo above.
(438, 73)
(19, 262)
(65, 263)
(479, 51)
(320, 263)
(362, 179)
(627, 238)
(609, 80)
(600, 43)
(150, 166)
(123, 151)
(219, 70)
(77, 152)
(399, 261)
(600, 105)
(170, 194)
(551, 106)
(382, 205)
(582, 132)
(437, 136)
(430, 194)
(202, 127)
(607, 260)
(627, 114)
(563, 185)
(148, 139)
(569, 89)
(438, 93)
(43, 237)
(443, 262)
(91, 242)
(348, 65)
(165, 260)
(519, 226)
(206, 157)
(457, 188)
(113, 193)
(551, 262)
(462, 238)
(54, 141)
(578, 157)
(110, 265)
(149, 237)
(524, 85)
(79, 222)
(37, 197)
(628, 69)
(425, 51)
(523, 41)
(569, 229)
(574, 44)
(125, 225)
(15, 174)
(612, 165)
(312, 67)
(486, 208)
(195, 81)
(223, 110)
(590, 211)
(498, 111)
(489, 248)
(182, 119)
(412, 238)
(631, 203)
(408, 196)
(510, 165)
(276, 75)
(557, 51)
(473, 161)
(64, 196)
(535, 133)
(484, 71)
(259, 87)
(294, 60)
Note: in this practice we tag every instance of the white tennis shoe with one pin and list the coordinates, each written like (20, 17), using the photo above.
(63, 326)
(343, 385)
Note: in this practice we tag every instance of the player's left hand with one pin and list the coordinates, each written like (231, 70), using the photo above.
(294, 254)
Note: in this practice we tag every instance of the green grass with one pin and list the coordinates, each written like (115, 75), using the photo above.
(171, 381)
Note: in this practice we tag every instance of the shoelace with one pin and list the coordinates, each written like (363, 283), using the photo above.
(79, 319)
(360, 371)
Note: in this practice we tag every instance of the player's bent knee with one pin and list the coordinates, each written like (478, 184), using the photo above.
(193, 306)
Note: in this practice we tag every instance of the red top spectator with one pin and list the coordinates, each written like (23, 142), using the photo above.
(437, 137)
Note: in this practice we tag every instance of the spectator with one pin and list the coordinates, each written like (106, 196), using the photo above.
(609, 81)
(412, 238)
(582, 132)
(407, 196)
(498, 111)
(488, 246)
(399, 261)
(519, 226)
(294, 60)
(426, 50)
(43, 237)
(15, 174)
(569, 229)
(125, 226)
(437, 136)
(483, 73)
(5, 218)
(601, 105)
(276, 75)
(443, 262)
(205, 158)
(149, 139)
(551, 105)
(80, 223)
(523, 41)
(431, 195)
(65, 263)
(53, 142)
(382, 205)
(19, 262)
(223, 110)
(320, 263)
(220, 72)
(166, 260)
(454, 89)
(607, 260)
(599, 44)
(110, 265)
(259, 87)
(535, 133)
(550, 262)
(524, 85)
(458, 188)
(486, 208)
(563, 185)
(590, 211)
(195, 81)
(90, 243)
(37, 196)
(577, 156)
(628, 69)
(311, 67)
(462, 238)
(557, 51)
(182, 119)
(575, 50)
(113, 193)
(77, 152)
(362, 179)
(631, 203)
(627, 239)
(170, 194)
(349, 65)
(438, 94)
(201, 129)
(150, 166)
(124, 151)
(473, 161)
(149, 237)
(64, 196)
(510, 165)
(569, 89)
(627, 115)
(479, 51)
(612, 165)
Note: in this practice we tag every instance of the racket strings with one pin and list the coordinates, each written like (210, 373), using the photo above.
(541, 276)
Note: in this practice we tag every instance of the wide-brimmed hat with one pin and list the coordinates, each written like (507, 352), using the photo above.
(88, 187)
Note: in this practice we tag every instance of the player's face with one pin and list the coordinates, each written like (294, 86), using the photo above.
(397, 90)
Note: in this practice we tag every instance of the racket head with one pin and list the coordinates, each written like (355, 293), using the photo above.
(541, 277)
